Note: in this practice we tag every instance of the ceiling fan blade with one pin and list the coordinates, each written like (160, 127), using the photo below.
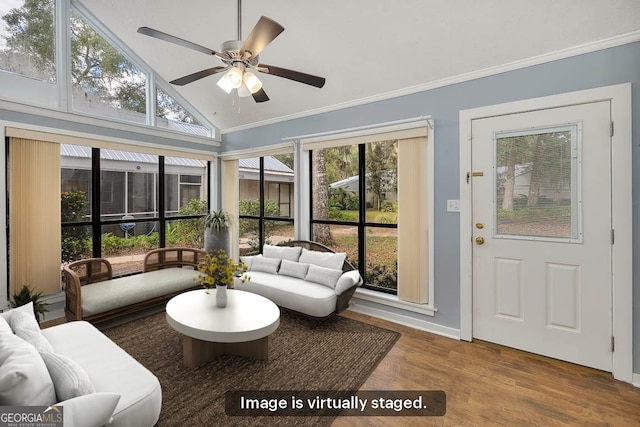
(308, 79)
(181, 42)
(260, 96)
(262, 34)
(197, 76)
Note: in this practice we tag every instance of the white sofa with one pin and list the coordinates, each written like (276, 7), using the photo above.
(304, 276)
(75, 366)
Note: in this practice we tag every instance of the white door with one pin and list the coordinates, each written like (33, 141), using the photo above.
(541, 200)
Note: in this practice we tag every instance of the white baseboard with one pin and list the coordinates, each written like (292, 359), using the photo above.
(635, 380)
(406, 320)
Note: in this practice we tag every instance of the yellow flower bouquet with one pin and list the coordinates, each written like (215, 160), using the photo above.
(218, 269)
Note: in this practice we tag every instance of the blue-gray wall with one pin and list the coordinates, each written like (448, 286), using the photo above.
(603, 68)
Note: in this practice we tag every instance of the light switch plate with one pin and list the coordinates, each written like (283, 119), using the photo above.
(453, 205)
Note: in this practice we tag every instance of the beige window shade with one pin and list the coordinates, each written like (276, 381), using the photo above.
(34, 215)
(97, 143)
(230, 196)
(413, 220)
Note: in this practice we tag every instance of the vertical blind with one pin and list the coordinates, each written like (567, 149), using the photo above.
(34, 215)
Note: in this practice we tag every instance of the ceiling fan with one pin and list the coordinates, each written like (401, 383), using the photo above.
(240, 59)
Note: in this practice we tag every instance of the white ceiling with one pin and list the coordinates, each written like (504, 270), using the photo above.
(366, 49)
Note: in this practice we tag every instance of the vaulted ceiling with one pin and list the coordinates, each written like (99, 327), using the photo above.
(366, 49)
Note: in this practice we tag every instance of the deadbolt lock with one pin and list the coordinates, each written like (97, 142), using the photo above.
(480, 240)
(479, 225)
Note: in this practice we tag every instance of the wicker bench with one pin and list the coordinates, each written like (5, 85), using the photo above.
(92, 294)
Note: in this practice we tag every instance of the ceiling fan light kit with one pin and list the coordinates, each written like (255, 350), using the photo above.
(240, 59)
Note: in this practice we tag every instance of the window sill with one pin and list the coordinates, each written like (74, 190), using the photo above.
(393, 301)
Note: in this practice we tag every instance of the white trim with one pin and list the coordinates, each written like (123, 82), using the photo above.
(397, 125)
(393, 301)
(621, 152)
(636, 380)
(265, 150)
(404, 320)
(569, 52)
(206, 143)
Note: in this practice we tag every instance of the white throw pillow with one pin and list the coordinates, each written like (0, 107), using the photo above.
(348, 280)
(24, 379)
(26, 327)
(323, 259)
(248, 260)
(283, 252)
(90, 410)
(69, 378)
(293, 269)
(322, 275)
(27, 308)
(265, 264)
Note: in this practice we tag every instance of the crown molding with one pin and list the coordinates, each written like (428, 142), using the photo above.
(581, 49)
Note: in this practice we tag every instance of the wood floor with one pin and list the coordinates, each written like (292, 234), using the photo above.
(491, 385)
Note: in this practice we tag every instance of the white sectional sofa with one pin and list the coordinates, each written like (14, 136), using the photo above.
(303, 276)
(75, 366)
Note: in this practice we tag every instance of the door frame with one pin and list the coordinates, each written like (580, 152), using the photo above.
(621, 210)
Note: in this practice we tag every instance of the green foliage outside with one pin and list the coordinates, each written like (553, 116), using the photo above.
(248, 227)
(76, 241)
(188, 232)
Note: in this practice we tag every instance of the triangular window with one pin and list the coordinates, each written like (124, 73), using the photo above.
(103, 81)
(172, 115)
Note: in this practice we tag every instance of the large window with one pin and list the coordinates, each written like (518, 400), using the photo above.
(355, 207)
(370, 196)
(266, 196)
(131, 188)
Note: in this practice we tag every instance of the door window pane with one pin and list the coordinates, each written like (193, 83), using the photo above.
(536, 184)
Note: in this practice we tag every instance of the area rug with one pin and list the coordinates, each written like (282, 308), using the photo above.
(339, 354)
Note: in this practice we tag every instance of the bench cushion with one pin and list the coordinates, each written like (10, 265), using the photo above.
(115, 293)
(292, 293)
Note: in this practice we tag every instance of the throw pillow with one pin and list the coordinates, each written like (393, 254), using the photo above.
(24, 379)
(348, 280)
(27, 308)
(90, 410)
(322, 275)
(69, 378)
(293, 269)
(265, 264)
(248, 260)
(26, 327)
(323, 259)
(282, 252)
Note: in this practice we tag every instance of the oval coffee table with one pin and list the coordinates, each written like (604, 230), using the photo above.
(242, 328)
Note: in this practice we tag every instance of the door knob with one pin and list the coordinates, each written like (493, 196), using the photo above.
(480, 240)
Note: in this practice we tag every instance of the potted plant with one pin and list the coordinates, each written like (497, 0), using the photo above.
(217, 271)
(24, 296)
(216, 231)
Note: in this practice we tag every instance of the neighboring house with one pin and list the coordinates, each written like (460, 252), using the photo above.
(278, 182)
(352, 185)
(523, 182)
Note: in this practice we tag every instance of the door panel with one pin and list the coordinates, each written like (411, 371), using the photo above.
(541, 200)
